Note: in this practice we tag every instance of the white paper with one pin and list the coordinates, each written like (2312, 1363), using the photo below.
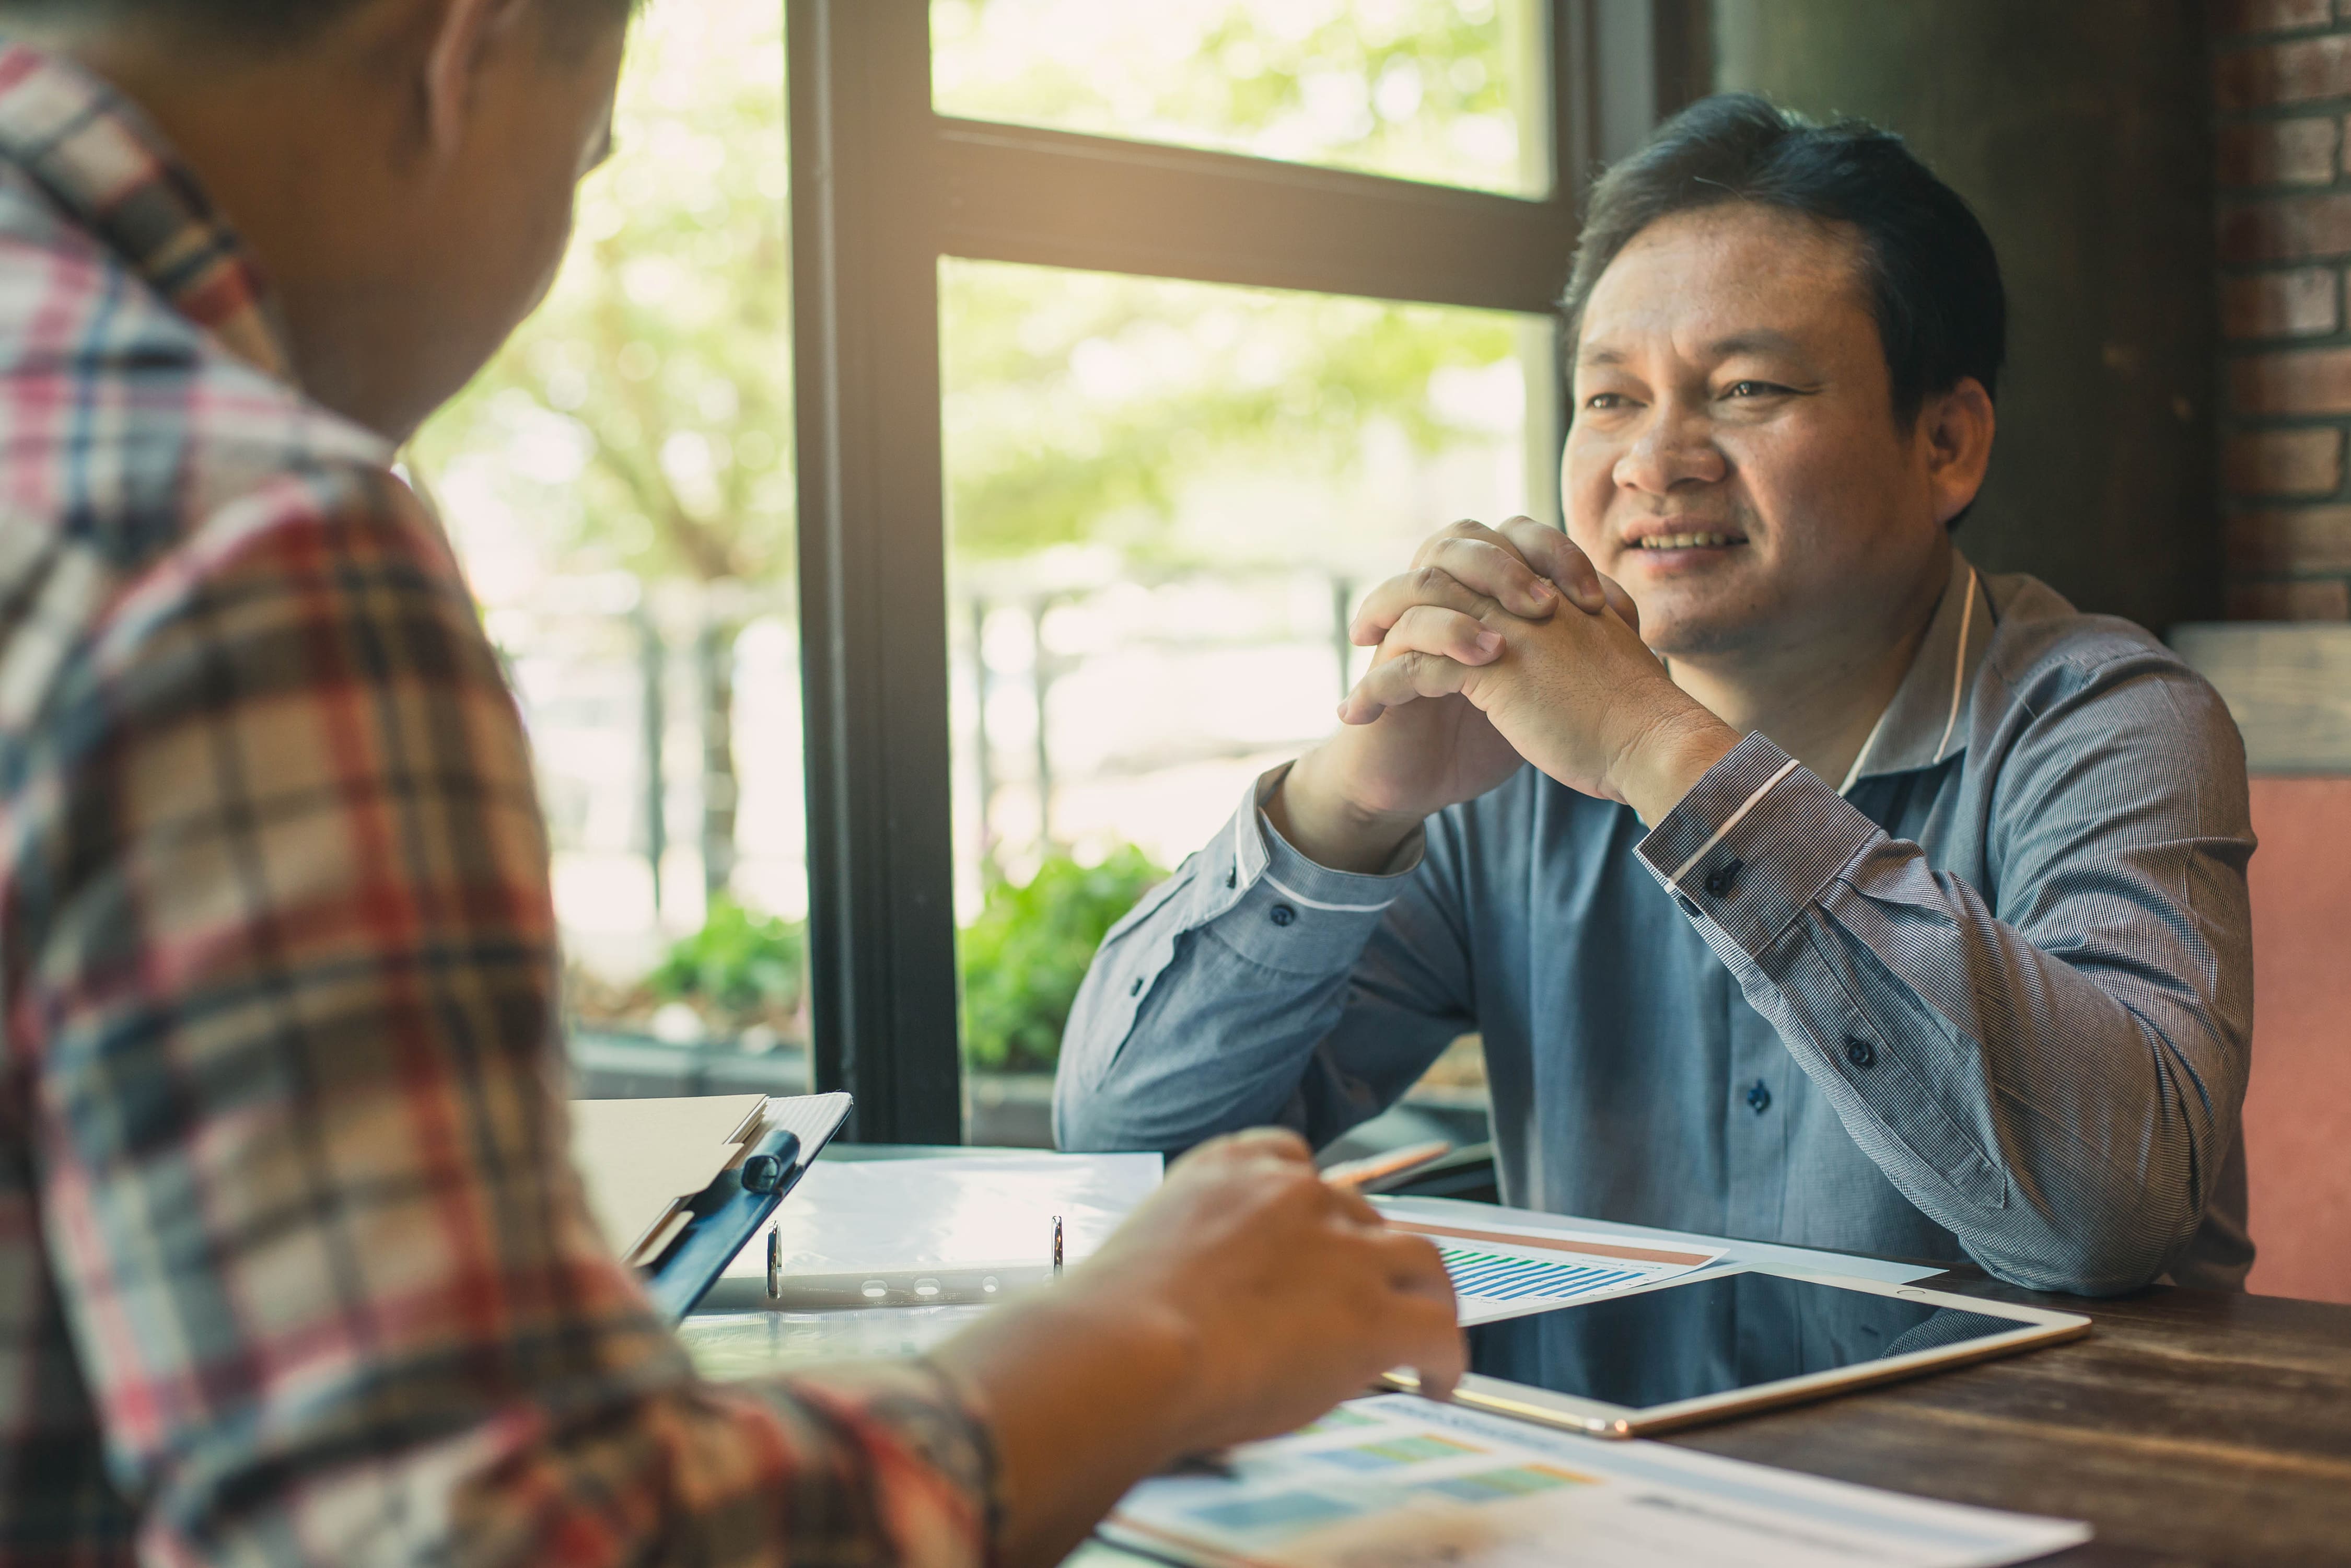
(638, 1157)
(954, 1211)
(1401, 1481)
(1731, 1253)
(1497, 1276)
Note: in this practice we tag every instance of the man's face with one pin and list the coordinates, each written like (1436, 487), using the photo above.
(489, 230)
(1734, 460)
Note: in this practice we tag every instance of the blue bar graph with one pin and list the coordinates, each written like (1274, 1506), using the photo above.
(1493, 1277)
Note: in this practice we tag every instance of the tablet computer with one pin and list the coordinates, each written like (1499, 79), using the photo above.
(1725, 1342)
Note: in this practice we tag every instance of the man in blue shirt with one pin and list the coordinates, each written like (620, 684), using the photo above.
(1810, 885)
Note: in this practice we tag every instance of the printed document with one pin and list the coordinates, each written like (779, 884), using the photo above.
(1506, 1273)
(1401, 1482)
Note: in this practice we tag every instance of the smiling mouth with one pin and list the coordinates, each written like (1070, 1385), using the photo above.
(1688, 541)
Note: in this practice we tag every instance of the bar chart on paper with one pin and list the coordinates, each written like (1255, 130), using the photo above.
(1501, 1273)
(1501, 1278)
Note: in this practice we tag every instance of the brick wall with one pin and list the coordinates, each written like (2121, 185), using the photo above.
(2282, 86)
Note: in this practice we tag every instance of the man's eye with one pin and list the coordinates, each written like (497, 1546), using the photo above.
(1751, 389)
(1606, 401)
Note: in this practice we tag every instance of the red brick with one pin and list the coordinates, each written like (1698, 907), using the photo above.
(2268, 16)
(2311, 540)
(2280, 151)
(2297, 304)
(2286, 228)
(2297, 72)
(2284, 463)
(2293, 380)
(2289, 600)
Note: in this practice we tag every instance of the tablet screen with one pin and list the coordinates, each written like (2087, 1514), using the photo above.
(1712, 1336)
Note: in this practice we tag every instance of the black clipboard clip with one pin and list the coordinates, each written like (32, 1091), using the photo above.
(725, 1216)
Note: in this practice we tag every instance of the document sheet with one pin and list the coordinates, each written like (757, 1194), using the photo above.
(1532, 1223)
(1401, 1482)
(1499, 1272)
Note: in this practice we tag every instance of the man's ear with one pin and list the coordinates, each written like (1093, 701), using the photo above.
(1957, 426)
(464, 34)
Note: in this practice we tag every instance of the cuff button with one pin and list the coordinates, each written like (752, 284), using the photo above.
(1718, 881)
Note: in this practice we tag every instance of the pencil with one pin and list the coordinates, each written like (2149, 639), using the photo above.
(1356, 1175)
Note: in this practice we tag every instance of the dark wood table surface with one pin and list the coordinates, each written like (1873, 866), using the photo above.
(2191, 1427)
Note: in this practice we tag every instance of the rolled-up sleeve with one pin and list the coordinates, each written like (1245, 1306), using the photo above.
(1255, 988)
(2056, 1078)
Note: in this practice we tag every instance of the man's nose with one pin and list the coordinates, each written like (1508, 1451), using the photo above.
(1674, 447)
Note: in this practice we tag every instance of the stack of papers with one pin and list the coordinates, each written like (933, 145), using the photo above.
(1399, 1480)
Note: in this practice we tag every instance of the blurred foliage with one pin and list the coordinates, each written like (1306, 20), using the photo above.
(1079, 406)
(643, 419)
(1024, 955)
(738, 961)
(1428, 90)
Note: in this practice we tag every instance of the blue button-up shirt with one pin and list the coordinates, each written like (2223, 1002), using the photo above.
(1995, 999)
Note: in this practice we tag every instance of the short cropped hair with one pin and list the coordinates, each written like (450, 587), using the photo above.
(255, 23)
(1929, 269)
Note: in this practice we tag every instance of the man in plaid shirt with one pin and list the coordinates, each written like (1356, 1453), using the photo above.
(292, 1268)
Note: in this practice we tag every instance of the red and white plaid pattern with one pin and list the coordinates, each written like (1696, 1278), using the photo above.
(292, 1265)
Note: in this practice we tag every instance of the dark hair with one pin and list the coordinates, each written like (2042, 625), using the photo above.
(1933, 280)
(274, 23)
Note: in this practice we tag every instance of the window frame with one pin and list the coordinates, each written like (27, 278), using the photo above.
(883, 187)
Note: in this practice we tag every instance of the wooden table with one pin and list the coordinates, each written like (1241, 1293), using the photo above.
(2191, 1427)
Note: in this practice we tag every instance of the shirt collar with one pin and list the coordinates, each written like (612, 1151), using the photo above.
(106, 166)
(1921, 726)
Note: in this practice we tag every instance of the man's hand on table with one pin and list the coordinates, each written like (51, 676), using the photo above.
(1245, 1298)
(1500, 645)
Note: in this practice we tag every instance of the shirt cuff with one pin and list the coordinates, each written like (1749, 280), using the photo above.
(1290, 914)
(1752, 845)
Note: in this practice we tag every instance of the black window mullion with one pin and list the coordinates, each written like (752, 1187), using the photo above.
(872, 542)
(1058, 199)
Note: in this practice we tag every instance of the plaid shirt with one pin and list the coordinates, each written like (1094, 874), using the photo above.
(292, 1265)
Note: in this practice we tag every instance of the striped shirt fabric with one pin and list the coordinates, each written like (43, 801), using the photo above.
(1993, 999)
(293, 1268)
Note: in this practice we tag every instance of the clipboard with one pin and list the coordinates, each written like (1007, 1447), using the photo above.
(721, 1222)
(683, 1253)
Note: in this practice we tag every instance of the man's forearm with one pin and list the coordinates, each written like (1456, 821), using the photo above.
(1324, 825)
(1081, 1395)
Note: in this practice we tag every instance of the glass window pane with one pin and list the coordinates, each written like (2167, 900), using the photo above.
(619, 482)
(1450, 91)
(1164, 500)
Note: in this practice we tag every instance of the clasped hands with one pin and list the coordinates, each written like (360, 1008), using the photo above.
(1500, 645)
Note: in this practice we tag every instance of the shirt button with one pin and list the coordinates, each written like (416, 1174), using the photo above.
(1719, 884)
(1859, 1052)
(1283, 915)
(1688, 907)
(1136, 989)
(1759, 1098)
(1232, 875)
